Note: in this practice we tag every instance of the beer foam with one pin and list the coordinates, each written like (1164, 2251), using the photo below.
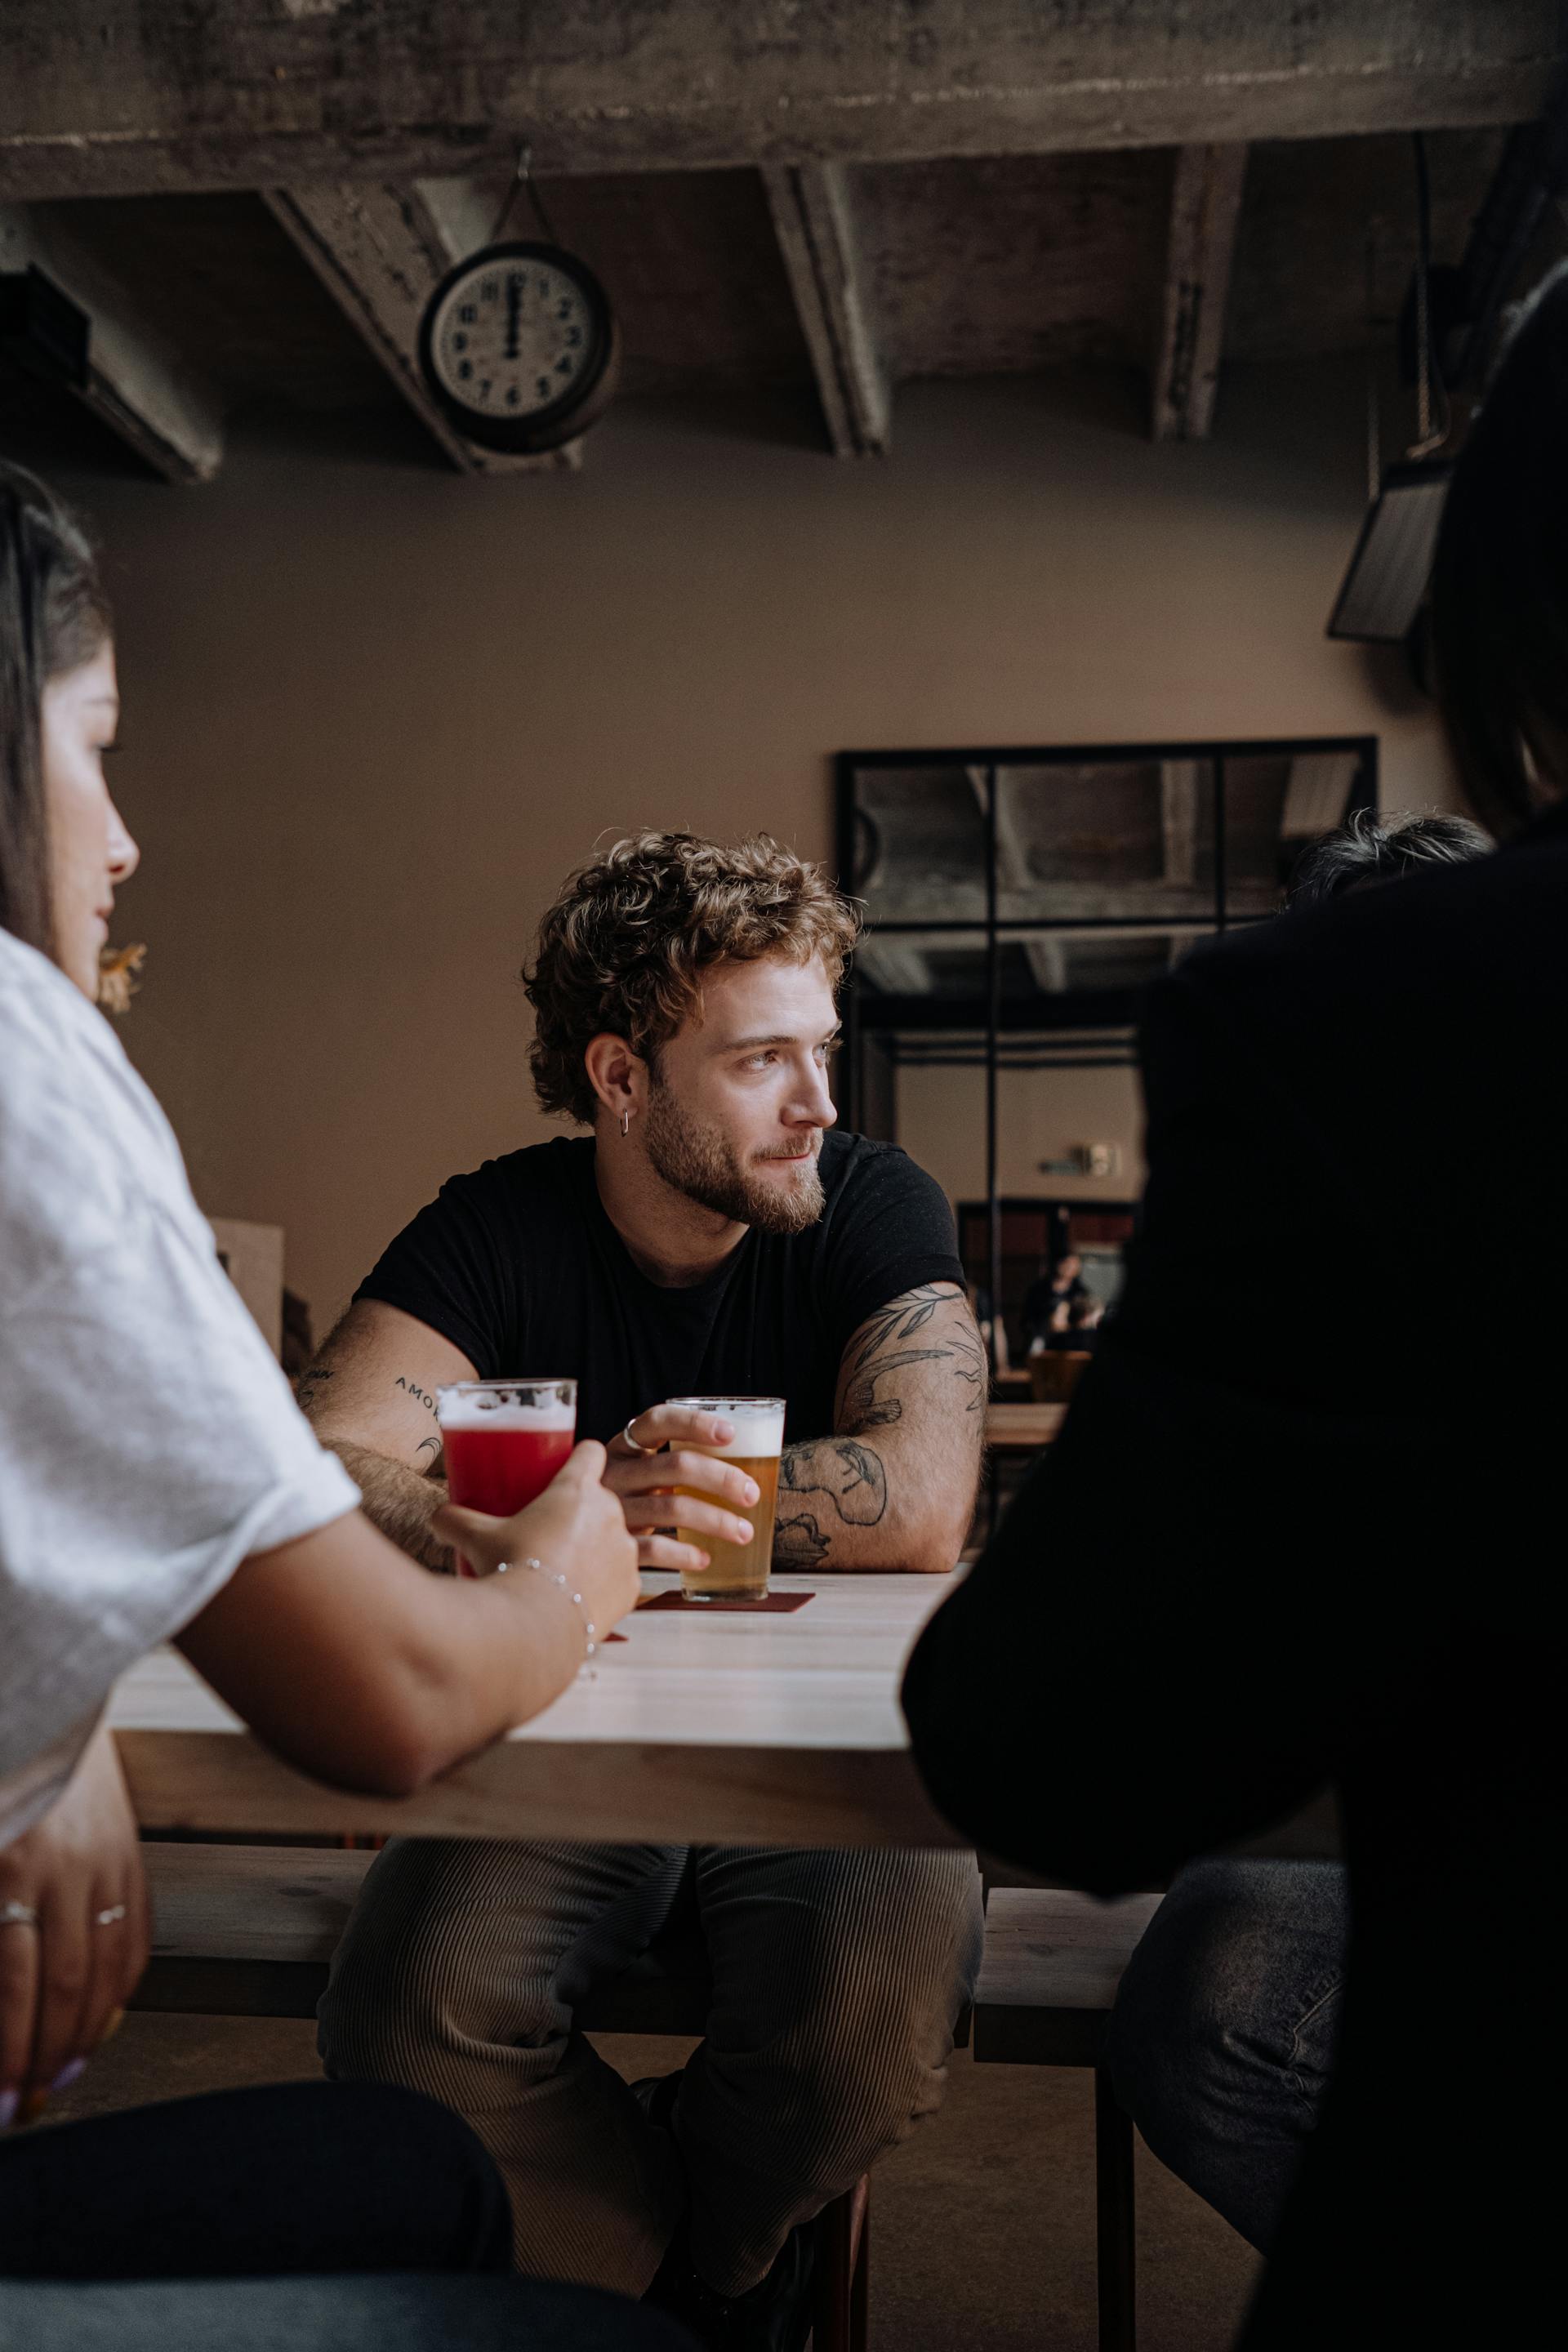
(759, 1428)
(484, 1413)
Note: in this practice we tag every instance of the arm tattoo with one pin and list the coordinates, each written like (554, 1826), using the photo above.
(312, 1379)
(799, 1544)
(849, 1473)
(420, 1396)
(903, 1319)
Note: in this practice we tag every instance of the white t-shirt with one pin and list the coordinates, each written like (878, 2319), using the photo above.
(148, 1438)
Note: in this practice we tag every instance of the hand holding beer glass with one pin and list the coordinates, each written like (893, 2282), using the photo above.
(737, 1572)
(504, 1441)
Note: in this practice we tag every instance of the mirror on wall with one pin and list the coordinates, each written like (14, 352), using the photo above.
(1018, 902)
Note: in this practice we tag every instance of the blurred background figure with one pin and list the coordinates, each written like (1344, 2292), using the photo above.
(1057, 1288)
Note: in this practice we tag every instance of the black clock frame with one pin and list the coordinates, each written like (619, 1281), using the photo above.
(583, 402)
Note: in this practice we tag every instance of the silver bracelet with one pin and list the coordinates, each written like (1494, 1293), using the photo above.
(590, 1628)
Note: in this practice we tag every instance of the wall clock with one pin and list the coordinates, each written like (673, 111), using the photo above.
(519, 346)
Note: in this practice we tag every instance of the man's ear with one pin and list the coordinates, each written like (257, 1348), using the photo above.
(618, 1075)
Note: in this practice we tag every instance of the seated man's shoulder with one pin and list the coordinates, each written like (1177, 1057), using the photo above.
(535, 1173)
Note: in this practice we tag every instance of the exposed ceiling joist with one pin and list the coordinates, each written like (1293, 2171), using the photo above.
(1044, 950)
(1179, 821)
(815, 221)
(112, 96)
(898, 967)
(380, 251)
(1205, 206)
(135, 385)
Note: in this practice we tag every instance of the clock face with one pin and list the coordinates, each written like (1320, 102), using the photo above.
(515, 333)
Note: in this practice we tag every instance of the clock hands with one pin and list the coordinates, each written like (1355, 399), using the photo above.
(513, 314)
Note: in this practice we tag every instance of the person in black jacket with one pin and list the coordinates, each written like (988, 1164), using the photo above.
(1318, 1565)
(1221, 2044)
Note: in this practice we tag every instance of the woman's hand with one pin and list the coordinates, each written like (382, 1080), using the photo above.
(576, 1527)
(643, 1480)
(68, 1970)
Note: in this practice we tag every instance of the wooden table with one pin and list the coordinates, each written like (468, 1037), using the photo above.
(720, 1729)
(1022, 1428)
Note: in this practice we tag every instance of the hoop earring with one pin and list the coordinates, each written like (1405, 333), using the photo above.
(625, 1122)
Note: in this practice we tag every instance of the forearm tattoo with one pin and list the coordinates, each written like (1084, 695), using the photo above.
(846, 1479)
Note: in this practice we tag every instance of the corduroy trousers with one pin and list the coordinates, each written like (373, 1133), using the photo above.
(837, 1978)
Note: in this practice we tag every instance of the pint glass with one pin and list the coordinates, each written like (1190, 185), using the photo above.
(738, 1571)
(504, 1442)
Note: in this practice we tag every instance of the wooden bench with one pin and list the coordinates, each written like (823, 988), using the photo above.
(249, 1931)
(1053, 1961)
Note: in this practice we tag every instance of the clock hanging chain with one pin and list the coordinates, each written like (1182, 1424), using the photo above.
(524, 178)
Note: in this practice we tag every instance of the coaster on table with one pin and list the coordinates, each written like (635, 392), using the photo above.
(769, 1603)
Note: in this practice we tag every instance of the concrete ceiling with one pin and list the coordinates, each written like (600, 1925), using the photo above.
(253, 198)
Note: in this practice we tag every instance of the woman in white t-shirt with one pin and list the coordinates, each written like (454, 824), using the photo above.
(157, 1483)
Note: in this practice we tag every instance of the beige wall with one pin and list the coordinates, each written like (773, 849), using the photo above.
(1040, 1115)
(372, 713)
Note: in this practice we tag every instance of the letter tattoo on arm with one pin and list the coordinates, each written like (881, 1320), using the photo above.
(431, 1445)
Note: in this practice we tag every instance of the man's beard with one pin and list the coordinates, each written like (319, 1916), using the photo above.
(695, 1159)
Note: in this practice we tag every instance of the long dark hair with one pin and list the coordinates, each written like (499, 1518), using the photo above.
(53, 617)
(1499, 587)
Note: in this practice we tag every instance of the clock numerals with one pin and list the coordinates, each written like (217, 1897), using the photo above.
(468, 314)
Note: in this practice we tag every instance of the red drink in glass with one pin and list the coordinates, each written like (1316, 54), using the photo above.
(504, 1442)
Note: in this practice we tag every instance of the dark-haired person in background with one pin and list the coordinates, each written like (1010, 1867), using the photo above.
(157, 1483)
(1056, 1287)
(1309, 1564)
(1367, 850)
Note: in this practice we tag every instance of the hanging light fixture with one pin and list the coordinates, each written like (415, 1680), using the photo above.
(1381, 592)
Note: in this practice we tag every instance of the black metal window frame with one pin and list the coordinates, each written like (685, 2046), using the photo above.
(1215, 750)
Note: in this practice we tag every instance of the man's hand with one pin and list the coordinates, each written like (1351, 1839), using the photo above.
(644, 1484)
(576, 1527)
(65, 1973)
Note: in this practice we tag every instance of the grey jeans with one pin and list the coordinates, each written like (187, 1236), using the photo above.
(837, 1981)
(1222, 2040)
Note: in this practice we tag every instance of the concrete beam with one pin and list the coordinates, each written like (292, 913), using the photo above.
(113, 97)
(1205, 206)
(896, 967)
(814, 224)
(1179, 821)
(380, 251)
(137, 385)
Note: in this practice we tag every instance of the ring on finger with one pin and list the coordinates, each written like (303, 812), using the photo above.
(17, 1914)
(112, 1917)
(628, 1439)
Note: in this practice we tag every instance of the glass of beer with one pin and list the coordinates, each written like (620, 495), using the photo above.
(504, 1442)
(737, 1572)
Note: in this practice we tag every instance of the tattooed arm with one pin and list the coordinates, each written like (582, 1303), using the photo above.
(370, 1396)
(895, 1486)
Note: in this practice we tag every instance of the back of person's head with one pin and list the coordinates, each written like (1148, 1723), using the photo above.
(1499, 585)
(1366, 850)
(53, 618)
(624, 949)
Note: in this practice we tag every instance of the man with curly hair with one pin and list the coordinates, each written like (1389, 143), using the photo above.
(712, 1234)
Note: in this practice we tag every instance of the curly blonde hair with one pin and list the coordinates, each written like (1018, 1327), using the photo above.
(626, 944)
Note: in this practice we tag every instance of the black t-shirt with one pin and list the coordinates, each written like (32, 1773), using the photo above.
(518, 1266)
